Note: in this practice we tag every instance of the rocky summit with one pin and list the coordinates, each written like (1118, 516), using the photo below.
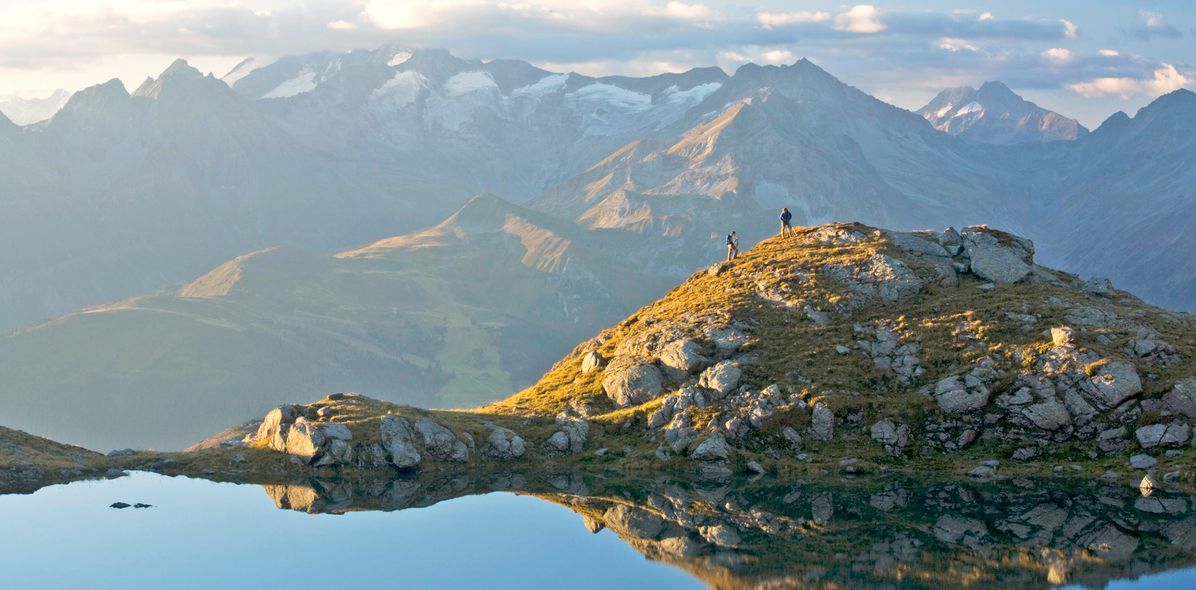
(843, 348)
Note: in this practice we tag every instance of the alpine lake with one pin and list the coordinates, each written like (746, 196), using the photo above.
(574, 530)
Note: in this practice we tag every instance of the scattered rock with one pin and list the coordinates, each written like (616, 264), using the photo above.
(822, 422)
(122, 453)
(1098, 286)
(998, 258)
(398, 439)
(722, 377)
(505, 444)
(1182, 398)
(713, 448)
(631, 383)
(683, 357)
(592, 361)
(1163, 435)
(1142, 461)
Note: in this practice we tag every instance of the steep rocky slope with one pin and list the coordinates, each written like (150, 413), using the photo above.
(845, 348)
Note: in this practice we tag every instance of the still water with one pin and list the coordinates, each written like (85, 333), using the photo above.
(584, 532)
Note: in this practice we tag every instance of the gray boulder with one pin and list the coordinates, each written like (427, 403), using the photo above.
(1182, 398)
(713, 448)
(892, 436)
(398, 440)
(592, 361)
(997, 259)
(822, 422)
(1163, 435)
(1099, 286)
(957, 395)
(722, 377)
(1142, 461)
(1047, 415)
(505, 444)
(1115, 382)
(305, 440)
(683, 356)
(631, 383)
(440, 442)
(951, 241)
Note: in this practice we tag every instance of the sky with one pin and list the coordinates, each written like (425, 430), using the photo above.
(1083, 58)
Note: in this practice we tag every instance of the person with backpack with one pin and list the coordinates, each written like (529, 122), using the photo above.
(786, 217)
(732, 245)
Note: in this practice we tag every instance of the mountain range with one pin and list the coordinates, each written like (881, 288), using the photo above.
(296, 190)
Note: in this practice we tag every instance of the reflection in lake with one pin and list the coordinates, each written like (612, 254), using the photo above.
(771, 534)
(456, 532)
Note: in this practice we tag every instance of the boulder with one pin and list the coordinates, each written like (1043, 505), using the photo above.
(275, 425)
(1142, 461)
(721, 535)
(822, 422)
(1115, 382)
(1000, 259)
(304, 440)
(335, 431)
(1099, 286)
(440, 442)
(956, 395)
(892, 436)
(713, 448)
(728, 339)
(916, 244)
(951, 241)
(1163, 435)
(631, 383)
(1049, 415)
(559, 442)
(683, 356)
(398, 439)
(1182, 398)
(722, 377)
(505, 444)
(592, 361)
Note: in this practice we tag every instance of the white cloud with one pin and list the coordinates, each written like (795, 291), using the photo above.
(986, 16)
(1167, 78)
(1109, 53)
(952, 44)
(1070, 30)
(1058, 55)
(777, 56)
(861, 18)
(1152, 20)
(780, 19)
(342, 25)
(683, 10)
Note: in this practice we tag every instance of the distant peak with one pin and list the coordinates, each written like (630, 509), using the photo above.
(180, 68)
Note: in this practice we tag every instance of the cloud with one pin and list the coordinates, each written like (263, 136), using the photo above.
(780, 19)
(1070, 30)
(1166, 78)
(861, 18)
(1058, 55)
(1153, 25)
(342, 25)
(683, 10)
(952, 44)
(1109, 53)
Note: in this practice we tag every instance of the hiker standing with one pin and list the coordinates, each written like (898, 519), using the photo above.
(786, 217)
(732, 245)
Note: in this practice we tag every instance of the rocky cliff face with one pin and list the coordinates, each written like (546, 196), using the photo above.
(845, 346)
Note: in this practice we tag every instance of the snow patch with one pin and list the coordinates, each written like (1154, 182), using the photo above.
(693, 95)
(303, 83)
(402, 89)
(971, 107)
(243, 69)
(399, 58)
(614, 97)
(467, 82)
(544, 86)
(944, 111)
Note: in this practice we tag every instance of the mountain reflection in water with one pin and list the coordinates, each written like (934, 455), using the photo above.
(765, 533)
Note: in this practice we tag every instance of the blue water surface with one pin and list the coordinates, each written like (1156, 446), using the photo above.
(201, 534)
